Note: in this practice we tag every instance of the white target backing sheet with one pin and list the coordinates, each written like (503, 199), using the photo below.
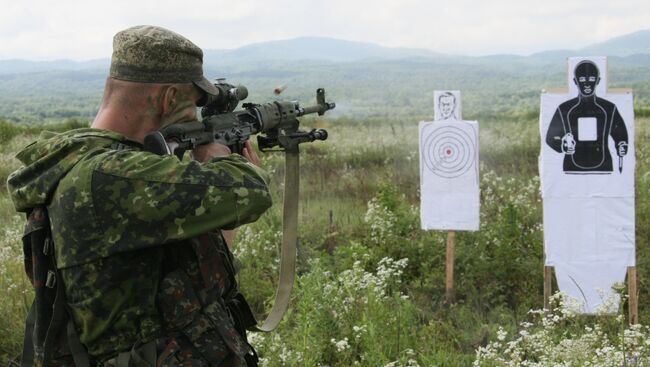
(449, 178)
(587, 170)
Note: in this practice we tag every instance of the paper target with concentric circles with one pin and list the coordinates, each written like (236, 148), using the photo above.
(448, 151)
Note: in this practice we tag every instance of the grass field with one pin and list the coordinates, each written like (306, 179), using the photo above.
(370, 287)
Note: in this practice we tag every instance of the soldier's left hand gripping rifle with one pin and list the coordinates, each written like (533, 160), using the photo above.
(278, 128)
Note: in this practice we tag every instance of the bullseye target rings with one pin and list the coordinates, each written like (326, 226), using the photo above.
(448, 151)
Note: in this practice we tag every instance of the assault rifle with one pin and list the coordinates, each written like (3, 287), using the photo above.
(276, 123)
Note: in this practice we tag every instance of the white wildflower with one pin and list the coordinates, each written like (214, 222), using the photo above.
(341, 345)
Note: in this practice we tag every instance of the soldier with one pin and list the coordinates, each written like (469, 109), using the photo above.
(147, 275)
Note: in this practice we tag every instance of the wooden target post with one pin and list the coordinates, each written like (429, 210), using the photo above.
(548, 287)
(449, 266)
(632, 302)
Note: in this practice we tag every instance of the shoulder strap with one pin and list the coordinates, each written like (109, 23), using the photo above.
(37, 266)
(289, 241)
(27, 359)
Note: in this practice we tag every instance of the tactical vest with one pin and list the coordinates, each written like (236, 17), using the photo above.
(200, 300)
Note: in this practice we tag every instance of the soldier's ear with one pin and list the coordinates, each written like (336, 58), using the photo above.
(597, 80)
(575, 81)
(169, 100)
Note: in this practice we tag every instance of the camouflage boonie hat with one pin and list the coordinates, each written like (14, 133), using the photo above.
(150, 54)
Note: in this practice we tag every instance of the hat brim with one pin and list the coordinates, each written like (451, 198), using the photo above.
(206, 86)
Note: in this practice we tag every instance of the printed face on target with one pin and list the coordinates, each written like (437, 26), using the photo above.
(586, 78)
(447, 106)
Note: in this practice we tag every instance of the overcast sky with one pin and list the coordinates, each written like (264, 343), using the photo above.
(83, 29)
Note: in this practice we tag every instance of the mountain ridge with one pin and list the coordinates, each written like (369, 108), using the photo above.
(632, 47)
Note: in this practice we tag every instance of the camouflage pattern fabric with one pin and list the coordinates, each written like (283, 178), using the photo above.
(150, 54)
(116, 216)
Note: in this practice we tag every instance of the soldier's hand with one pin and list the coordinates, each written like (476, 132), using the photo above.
(203, 153)
(250, 154)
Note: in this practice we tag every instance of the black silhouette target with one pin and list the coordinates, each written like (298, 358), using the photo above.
(448, 151)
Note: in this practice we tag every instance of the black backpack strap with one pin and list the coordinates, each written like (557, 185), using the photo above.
(45, 326)
(27, 359)
(58, 319)
(37, 267)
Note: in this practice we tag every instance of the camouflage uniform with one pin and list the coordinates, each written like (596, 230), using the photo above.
(121, 218)
(137, 243)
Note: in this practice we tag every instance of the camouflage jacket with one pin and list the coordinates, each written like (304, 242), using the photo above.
(115, 213)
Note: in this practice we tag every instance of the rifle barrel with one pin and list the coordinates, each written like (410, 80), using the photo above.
(319, 108)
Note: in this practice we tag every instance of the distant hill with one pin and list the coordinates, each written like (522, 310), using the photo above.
(13, 66)
(316, 48)
(335, 50)
(629, 44)
(629, 49)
